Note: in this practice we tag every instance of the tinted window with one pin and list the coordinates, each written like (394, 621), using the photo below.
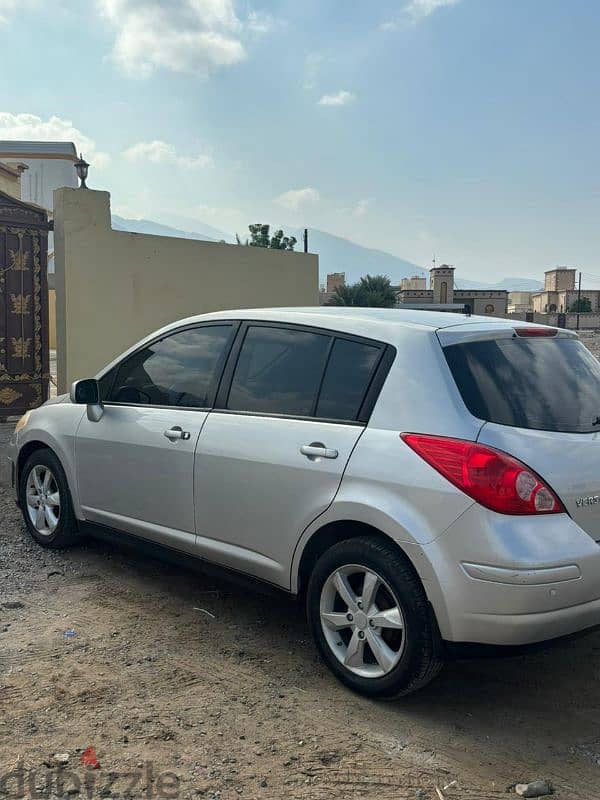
(545, 384)
(347, 377)
(176, 371)
(278, 371)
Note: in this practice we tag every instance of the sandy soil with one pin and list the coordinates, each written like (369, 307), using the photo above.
(235, 703)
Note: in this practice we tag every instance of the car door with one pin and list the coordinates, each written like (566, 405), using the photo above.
(291, 408)
(135, 465)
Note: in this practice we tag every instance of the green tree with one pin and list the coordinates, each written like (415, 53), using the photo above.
(260, 236)
(371, 291)
(582, 306)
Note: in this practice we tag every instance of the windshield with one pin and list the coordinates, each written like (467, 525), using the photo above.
(543, 384)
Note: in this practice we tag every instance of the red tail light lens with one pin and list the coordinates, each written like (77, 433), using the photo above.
(491, 477)
(533, 332)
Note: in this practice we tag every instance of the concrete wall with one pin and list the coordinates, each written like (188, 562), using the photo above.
(113, 288)
(588, 321)
(10, 183)
(52, 318)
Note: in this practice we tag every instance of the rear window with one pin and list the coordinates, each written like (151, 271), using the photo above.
(543, 384)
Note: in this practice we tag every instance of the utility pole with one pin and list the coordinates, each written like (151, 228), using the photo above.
(305, 237)
(578, 299)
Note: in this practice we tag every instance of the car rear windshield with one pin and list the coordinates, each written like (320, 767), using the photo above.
(550, 384)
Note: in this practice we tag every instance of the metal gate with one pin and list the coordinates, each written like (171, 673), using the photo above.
(24, 351)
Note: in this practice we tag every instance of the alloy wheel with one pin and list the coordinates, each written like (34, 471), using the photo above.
(362, 621)
(43, 499)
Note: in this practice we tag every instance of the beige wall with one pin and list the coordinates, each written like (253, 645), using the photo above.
(10, 183)
(560, 278)
(113, 288)
(52, 318)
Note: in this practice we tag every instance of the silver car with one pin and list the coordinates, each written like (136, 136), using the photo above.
(418, 478)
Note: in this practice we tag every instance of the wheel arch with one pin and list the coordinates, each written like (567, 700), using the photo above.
(338, 531)
(27, 450)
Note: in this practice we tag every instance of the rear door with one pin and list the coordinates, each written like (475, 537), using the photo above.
(539, 396)
(271, 455)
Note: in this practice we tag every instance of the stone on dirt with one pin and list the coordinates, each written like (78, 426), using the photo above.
(537, 788)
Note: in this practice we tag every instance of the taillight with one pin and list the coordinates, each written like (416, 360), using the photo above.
(491, 477)
(536, 332)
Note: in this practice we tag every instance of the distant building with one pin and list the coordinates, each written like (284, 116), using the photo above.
(334, 280)
(559, 293)
(10, 178)
(442, 291)
(49, 166)
(417, 282)
(519, 302)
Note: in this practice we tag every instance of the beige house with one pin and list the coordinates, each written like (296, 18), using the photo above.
(10, 178)
(442, 291)
(559, 293)
(519, 302)
(416, 282)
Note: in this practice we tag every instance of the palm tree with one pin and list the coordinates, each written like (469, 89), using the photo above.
(376, 291)
(371, 291)
(344, 296)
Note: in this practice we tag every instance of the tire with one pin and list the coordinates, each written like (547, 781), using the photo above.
(58, 527)
(411, 653)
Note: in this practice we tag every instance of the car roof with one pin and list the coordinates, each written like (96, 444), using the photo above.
(377, 323)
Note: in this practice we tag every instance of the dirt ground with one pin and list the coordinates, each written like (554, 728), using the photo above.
(191, 686)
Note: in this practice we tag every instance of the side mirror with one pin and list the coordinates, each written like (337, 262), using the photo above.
(87, 392)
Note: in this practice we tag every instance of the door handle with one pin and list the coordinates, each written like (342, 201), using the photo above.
(317, 450)
(175, 433)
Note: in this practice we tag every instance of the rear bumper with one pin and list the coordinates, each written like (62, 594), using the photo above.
(503, 580)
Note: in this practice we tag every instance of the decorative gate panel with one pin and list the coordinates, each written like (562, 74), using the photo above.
(24, 354)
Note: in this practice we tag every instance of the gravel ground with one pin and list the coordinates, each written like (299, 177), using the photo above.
(196, 687)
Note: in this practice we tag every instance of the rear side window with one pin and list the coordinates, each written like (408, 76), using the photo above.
(542, 384)
(278, 371)
(178, 370)
(347, 378)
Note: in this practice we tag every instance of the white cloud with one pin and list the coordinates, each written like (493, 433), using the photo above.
(296, 198)
(417, 10)
(194, 36)
(8, 8)
(260, 22)
(159, 152)
(341, 98)
(180, 35)
(55, 129)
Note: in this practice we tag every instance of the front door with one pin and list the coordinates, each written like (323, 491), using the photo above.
(270, 459)
(135, 466)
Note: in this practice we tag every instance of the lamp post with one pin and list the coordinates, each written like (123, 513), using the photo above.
(81, 168)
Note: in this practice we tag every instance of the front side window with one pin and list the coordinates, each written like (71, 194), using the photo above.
(178, 370)
(347, 378)
(278, 371)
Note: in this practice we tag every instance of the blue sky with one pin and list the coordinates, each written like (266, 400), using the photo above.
(464, 128)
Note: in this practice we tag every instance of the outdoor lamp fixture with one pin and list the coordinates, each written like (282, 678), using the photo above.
(81, 167)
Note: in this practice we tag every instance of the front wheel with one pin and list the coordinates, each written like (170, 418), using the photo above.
(46, 501)
(370, 619)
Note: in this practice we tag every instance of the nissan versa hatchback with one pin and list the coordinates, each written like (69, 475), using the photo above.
(418, 478)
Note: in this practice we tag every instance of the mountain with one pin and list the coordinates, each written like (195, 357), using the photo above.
(341, 255)
(336, 254)
(202, 232)
(510, 284)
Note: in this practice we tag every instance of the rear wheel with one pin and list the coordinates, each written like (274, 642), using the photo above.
(46, 501)
(370, 619)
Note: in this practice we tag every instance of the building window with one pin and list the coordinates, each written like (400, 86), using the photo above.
(552, 308)
(489, 309)
(443, 292)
